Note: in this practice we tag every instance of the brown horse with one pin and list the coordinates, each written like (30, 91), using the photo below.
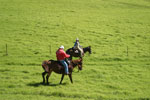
(51, 65)
(76, 53)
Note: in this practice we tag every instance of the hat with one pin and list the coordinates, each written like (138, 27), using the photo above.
(77, 39)
(61, 47)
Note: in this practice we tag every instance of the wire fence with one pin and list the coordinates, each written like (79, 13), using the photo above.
(103, 50)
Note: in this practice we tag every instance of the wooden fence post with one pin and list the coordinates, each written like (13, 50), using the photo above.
(6, 50)
(50, 50)
(127, 51)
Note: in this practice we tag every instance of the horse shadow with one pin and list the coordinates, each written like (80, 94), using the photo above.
(41, 84)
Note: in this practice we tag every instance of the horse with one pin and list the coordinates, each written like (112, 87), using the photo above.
(76, 53)
(51, 65)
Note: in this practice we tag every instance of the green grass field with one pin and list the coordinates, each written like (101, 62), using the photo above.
(117, 30)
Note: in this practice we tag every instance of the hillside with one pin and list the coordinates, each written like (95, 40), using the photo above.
(117, 30)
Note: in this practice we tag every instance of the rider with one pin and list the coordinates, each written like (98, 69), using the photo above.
(78, 46)
(61, 55)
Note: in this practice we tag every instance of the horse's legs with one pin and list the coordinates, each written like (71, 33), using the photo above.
(43, 75)
(78, 68)
(70, 76)
(47, 77)
(62, 77)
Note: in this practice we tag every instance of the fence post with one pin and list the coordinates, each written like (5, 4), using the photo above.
(6, 50)
(50, 50)
(127, 51)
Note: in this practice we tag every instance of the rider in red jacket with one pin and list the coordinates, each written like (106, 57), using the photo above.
(61, 55)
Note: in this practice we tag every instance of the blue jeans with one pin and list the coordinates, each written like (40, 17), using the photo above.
(65, 65)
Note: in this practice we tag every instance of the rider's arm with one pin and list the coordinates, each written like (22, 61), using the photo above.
(66, 55)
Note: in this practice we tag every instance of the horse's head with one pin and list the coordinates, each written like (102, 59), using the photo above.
(90, 50)
(87, 49)
(77, 63)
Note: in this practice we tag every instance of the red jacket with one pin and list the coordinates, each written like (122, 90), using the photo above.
(61, 55)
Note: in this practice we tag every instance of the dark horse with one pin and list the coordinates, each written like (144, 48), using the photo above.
(51, 65)
(76, 53)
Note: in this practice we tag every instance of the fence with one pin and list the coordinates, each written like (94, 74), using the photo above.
(102, 50)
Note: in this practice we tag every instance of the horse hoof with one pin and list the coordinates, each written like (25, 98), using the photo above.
(47, 84)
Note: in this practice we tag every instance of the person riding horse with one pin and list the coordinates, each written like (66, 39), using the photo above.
(61, 56)
(77, 46)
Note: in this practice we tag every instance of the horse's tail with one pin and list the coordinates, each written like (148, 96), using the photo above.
(46, 64)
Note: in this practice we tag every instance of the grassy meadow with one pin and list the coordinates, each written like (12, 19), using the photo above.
(117, 30)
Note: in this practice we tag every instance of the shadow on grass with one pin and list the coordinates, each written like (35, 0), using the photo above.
(40, 84)
(4, 70)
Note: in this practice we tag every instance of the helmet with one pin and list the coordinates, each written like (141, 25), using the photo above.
(77, 39)
(61, 47)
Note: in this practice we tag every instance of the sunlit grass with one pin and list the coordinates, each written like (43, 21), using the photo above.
(118, 32)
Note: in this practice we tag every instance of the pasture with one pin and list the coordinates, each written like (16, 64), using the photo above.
(118, 32)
